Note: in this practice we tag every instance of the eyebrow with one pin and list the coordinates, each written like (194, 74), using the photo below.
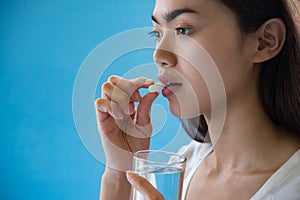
(173, 14)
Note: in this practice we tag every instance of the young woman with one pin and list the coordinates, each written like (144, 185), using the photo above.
(256, 47)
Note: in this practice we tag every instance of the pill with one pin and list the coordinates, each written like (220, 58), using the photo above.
(156, 87)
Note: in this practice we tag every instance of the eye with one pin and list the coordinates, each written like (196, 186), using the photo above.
(183, 31)
(156, 34)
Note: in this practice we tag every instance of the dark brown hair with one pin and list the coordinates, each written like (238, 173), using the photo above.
(279, 81)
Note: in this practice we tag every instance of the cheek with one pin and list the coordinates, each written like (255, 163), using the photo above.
(200, 88)
(194, 98)
(224, 46)
(231, 60)
(226, 55)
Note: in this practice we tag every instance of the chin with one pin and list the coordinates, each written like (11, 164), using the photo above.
(186, 111)
(175, 112)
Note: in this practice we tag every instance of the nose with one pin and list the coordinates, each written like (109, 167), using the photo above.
(164, 58)
(163, 55)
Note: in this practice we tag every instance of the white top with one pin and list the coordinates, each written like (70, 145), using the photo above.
(283, 184)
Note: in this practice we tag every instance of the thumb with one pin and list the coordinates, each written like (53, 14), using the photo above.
(143, 186)
(143, 110)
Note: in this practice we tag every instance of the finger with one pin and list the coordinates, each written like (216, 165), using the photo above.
(142, 82)
(115, 94)
(131, 86)
(132, 110)
(144, 187)
(106, 107)
(143, 110)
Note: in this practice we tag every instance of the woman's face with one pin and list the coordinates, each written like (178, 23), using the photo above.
(176, 25)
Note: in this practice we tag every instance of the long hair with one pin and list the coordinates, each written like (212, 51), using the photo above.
(279, 80)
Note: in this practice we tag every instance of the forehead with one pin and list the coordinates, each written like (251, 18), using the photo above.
(163, 6)
(207, 8)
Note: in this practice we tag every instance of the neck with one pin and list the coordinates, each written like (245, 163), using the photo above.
(246, 145)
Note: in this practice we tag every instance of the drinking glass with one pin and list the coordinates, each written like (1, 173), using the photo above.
(164, 170)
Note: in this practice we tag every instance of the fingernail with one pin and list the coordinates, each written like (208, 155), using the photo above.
(131, 175)
(149, 81)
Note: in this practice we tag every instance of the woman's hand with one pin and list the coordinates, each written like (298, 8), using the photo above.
(123, 127)
(144, 187)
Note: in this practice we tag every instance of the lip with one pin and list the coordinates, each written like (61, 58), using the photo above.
(171, 85)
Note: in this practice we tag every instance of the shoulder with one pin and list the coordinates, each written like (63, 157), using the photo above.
(285, 183)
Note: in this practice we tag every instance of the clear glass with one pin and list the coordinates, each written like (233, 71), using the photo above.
(164, 170)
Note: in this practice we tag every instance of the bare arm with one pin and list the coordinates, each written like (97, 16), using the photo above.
(114, 186)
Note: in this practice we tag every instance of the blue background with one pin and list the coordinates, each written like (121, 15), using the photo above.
(43, 44)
